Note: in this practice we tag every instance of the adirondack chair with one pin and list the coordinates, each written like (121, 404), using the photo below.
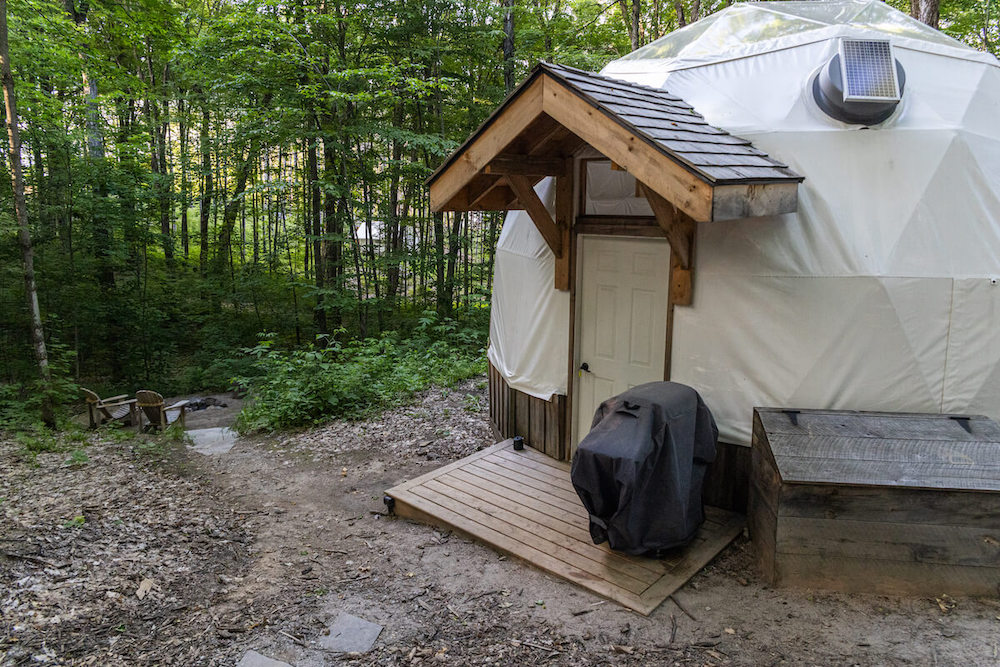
(159, 415)
(103, 410)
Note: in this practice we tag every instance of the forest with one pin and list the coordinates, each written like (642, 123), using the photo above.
(232, 192)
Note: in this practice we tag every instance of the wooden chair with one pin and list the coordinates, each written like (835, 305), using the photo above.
(151, 405)
(103, 410)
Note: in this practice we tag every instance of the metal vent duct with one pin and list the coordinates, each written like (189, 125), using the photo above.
(862, 84)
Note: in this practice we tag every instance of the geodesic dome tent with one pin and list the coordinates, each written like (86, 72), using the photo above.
(881, 292)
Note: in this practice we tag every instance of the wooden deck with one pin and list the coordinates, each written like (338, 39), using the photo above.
(523, 504)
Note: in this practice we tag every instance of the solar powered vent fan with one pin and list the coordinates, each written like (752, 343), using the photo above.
(862, 84)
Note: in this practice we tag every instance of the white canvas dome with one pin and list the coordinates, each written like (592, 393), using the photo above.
(882, 291)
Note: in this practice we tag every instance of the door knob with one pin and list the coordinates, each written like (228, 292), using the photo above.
(585, 367)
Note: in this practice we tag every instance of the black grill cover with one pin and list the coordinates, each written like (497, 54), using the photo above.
(639, 471)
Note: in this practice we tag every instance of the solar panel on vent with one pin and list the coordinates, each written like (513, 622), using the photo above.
(869, 71)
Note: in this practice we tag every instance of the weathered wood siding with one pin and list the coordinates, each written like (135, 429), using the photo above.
(543, 424)
(727, 481)
(867, 502)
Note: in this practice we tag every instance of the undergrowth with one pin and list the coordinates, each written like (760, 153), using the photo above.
(20, 403)
(354, 379)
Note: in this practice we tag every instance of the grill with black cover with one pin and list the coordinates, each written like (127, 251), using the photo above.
(639, 471)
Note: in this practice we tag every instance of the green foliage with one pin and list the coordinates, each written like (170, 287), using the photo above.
(77, 458)
(378, 92)
(20, 403)
(160, 447)
(352, 380)
(36, 442)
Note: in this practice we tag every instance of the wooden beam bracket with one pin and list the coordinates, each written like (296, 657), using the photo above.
(525, 192)
(679, 229)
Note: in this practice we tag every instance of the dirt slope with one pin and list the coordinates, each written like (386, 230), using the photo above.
(262, 547)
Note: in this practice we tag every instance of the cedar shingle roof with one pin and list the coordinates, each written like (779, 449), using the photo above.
(673, 126)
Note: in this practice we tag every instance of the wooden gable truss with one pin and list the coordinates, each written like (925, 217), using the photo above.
(689, 171)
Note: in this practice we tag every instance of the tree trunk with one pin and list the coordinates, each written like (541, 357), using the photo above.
(224, 245)
(926, 11)
(183, 131)
(508, 46)
(21, 213)
(630, 14)
(332, 249)
(316, 229)
(393, 236)
(443, 302)
(206, 189)
(453, 246)
(367, 206)
(158, 168)
(95, 150)
(636, 37)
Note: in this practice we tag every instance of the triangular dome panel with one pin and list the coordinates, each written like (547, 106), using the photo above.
(955, 229)
(972, 378)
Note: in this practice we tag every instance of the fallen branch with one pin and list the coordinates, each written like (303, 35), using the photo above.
(542, 647)
(31, 559)
(681, 607)
(292, 637)
(482, 595)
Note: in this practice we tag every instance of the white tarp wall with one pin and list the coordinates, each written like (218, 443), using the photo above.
(881, 292)
(529, 318)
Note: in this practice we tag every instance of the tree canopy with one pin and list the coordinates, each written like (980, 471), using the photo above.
(197, 173)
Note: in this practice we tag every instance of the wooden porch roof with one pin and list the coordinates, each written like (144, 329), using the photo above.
(703, 171)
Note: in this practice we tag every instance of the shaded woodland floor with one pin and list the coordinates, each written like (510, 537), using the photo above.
(149, 553)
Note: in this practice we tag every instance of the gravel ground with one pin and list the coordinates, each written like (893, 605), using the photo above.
(138, 551)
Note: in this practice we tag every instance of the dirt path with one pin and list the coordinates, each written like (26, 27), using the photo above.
(261, 548)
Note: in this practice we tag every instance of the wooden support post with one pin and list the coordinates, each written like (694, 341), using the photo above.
(679, 230)
(680, 282)
(525, 193)
(564, 220)
(571, 359)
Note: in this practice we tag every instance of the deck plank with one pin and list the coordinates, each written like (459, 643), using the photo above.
(529, 493)
(524, 465)
(570, 525)
(571, 560)
(523, 504)
(534, 455)
(518, 459)
(500, 486)
(568, 533)
(519, 525)
(528, 476)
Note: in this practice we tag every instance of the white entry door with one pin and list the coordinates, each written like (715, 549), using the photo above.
(622, 326)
